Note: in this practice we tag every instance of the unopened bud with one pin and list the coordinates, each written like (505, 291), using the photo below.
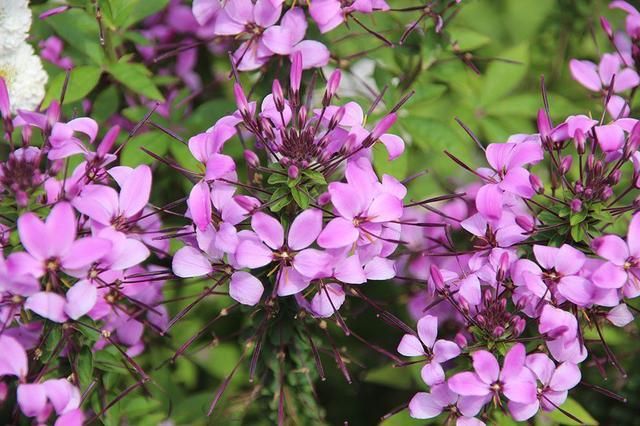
(382, 126)
(580, 140)
(436, 277)
(324, 198)
(293, 172)
(576, 205)
(606, 26)
(607, 192)
(278, 96)
(544, 124)
(460, 340)
(525, 222)
(241, 99)
(504, 267)
(498, 331)
(536, 183)
(614, 177)
(296, 71)
(251, 158)
(565, 164)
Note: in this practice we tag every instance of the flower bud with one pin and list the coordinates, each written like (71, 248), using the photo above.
(278, 96)
(55, 11)
(382, 126)
(302, 116)
(607, 192)
(108, 141)
(580, 141)
(606, 26)
(247, 203)
(324, 198)
(525, 222)
(53, 115)
(337, 117)
(296, 72)
(333, 83)
(436, 277)
(251, 158)
(460, 340)
(576, 205)
(503, 267)
(519, 326)
(536, 183)
(614, 177)
(544, 124)
(565, 164)
(498, 331)
(293, 172)
(241, 99)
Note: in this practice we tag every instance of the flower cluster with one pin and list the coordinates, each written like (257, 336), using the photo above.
(542, 276)
(73, 277)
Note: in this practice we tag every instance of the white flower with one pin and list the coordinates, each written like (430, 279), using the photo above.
(15, 21)
(22, 71)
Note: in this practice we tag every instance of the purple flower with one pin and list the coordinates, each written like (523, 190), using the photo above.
(513, 381)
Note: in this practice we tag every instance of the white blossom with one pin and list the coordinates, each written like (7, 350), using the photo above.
(15, 21)
(22, 71)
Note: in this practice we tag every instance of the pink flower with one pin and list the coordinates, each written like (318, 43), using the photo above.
(298, 264)
(514, 381)
(52, 245)
(365, 207)
(441, 398)
(13, 358)
(554, 380)
(258, 22)
(426, 345)
(507, 174)
(561, 328)
(561, 276)
(622, 267)
(328, 14)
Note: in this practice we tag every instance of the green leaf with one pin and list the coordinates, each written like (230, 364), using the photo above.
(300, 197)
(277, 178)
(106, 104)
(315, 177)
(84, 367)
(136, 78)
(573, 407)
(503, 77)
(578, 217)
(577, 233)
(156, 142)
(81, 82)
(142, 9)
(390, 376)
(80, 30)
(468, 39)
(283, 196)
(121, 10)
